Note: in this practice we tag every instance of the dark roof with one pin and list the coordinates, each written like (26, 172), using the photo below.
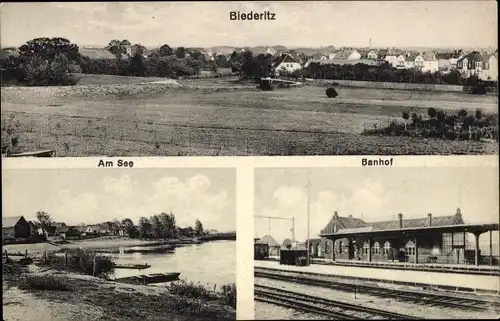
(269, 240)
(285, 58)
(351, 224)
(10, 221)
(96, 53)
(473, 56)
(58, 224)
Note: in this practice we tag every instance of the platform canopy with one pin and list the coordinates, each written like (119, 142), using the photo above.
(370, 232)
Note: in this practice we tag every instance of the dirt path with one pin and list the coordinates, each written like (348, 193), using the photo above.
(19, 305)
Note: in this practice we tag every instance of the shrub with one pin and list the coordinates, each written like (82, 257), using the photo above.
(82, 261)
(478, 90)
(331, 92)
(44, 282)
(265, 85)
(190, 289)
(229, 295)
(432, 112)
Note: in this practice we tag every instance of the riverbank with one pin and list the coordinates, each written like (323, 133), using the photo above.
(36, 293)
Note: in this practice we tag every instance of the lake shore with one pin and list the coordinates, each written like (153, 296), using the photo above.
(35, 293)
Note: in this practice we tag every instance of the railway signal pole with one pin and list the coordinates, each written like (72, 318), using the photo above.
(280, 218)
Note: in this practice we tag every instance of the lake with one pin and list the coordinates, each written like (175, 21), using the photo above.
(207, 263)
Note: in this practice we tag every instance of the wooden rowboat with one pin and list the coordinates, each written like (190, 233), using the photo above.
(150, 278)
(132, 266)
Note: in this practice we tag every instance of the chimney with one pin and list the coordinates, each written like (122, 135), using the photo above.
(400, 218)
(429, 219)
(335, 215)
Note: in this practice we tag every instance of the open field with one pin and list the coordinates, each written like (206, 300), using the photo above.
(217, 117)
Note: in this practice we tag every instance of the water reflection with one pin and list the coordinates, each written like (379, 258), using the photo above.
(208, 263)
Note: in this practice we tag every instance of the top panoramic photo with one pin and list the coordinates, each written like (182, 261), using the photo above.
(249, 79)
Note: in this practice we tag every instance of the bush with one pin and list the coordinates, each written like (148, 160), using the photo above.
(478, 90)
(265, 85)
(331, 92)
(82, 261)
(229, 295)
(190, 289)
(44, 282)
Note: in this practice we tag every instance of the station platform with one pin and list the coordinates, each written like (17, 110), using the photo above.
(438, 280)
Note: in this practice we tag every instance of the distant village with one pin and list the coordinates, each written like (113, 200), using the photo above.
(19, 230)
(484, 65)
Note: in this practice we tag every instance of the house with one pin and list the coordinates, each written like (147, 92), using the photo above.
(392, 60)
(271, 242)
(68, 232)
(386, 247)
(92, 229)
(348, 55)
(476, 64)
(400, 62)
(15, 228)
(286, 63)
(372, 54)
(414, 60)
(493, 67)
(430, 63)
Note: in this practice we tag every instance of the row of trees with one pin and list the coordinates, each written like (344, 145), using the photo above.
(53, 61)
(383, 73)
(162, 226)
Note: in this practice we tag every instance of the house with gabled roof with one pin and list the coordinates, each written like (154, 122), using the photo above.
(274, 246)
(286, 64)
(386, 247)
(15, 227)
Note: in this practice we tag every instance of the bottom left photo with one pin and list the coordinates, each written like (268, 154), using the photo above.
(142, 244)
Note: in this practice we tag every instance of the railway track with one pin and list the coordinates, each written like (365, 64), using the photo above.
(320, 306)
(434, 299)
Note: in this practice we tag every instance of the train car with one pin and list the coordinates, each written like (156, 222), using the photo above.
(261, 251)
(293, 256)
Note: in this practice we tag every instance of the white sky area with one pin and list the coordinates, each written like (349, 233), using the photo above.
(470, 24)
(373, 194)
(77, 196)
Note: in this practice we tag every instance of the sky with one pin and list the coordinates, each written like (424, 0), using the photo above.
(468, 24)
(89, 196)
(376, 194)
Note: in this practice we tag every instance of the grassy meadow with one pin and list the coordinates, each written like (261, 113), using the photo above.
(122, 116)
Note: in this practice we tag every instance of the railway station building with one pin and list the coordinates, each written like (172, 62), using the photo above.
(430, 239)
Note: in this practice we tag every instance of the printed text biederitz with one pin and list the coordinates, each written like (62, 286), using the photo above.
(266, 15)
(377, 162)
(120, 163)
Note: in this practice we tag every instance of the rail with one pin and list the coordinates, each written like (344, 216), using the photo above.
(292, 297)
(343, 284)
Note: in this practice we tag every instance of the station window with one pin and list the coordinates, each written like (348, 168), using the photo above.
(341, 247)
(410, 248)
(387, 248)
(366, 248)
(376, 248)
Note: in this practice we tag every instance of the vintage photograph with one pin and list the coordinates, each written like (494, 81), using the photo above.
(88, 244)
(356, 243)
(249, 78)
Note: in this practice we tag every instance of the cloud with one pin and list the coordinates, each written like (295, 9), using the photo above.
(291, 201)
(92, 200)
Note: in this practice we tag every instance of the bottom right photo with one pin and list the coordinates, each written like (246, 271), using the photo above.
(376, 243)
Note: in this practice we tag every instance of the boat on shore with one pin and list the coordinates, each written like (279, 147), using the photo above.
(132, 266)
(150, 278)
(153, 249)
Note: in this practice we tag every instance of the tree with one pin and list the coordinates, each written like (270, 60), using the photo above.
(165, 50)
(406, 116)
(462, 113)
(115, 47)
(44, 219)
(144, 227)
(168, 224)
(137, 66)
(157, 226)
(198, 227)
(479, 114)
(180, 52)
(49, 48)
